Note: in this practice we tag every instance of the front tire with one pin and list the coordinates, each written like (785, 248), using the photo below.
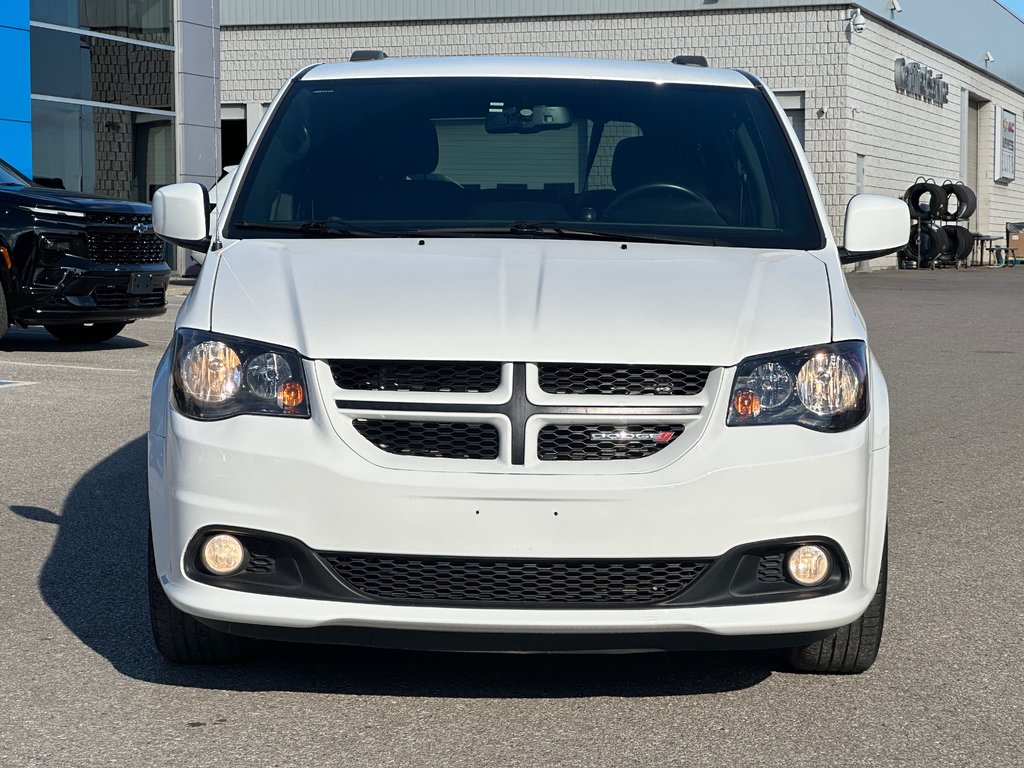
(5, 319)
(853, 648)
(85, 334)
(181, 638)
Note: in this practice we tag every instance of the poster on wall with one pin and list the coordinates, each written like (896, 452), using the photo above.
(1006, 146)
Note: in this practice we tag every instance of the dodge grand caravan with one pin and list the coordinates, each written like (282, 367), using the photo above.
(521, 353)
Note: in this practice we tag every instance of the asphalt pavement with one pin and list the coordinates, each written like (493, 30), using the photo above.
(81, 684)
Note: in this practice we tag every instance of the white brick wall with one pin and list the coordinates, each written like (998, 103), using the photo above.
(903, 137)
(802, 49)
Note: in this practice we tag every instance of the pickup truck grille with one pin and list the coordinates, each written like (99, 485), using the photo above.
(125, 247)
(119, 298)
(514, 582)
(569, 379)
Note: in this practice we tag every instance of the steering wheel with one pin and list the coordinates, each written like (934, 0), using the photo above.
(665, 187)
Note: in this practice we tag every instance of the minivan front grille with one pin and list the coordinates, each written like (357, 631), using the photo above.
(431, 439)
(604, 442)
(528, 423)
(515, 582)
(576, 379)
(415, 375)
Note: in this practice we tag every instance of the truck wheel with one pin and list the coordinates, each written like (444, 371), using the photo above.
(853, 648)
(85, 334)
(180, 637)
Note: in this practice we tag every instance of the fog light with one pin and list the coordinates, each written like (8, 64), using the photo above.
(223, 554)
(808, 565)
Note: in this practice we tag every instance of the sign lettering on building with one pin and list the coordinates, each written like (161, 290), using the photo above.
(915, 79)
(1006, 145)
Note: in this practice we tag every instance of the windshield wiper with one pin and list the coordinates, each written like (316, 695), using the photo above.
(554, 229)
(313, 228)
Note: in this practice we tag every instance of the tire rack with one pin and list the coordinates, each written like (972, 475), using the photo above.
(938, 221)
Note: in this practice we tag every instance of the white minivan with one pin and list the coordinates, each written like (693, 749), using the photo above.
(521, 354)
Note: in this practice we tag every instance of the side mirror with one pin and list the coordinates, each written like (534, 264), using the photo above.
(875, 226)
(179, 216)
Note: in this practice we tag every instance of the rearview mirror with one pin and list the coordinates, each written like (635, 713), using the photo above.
(510, 119)
(875, 226)
(179, 216)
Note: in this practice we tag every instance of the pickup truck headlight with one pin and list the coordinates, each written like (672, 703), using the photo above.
(216, 377)
(823, 388)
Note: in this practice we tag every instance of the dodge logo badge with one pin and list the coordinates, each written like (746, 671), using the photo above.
(632, 437)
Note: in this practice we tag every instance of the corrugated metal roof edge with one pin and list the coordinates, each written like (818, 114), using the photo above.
(246, 13)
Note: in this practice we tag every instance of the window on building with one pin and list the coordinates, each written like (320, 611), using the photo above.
(103, 108)
(148, 20)
(114, 152)
(793, 104)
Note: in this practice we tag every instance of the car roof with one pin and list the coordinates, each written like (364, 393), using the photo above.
(528, 66)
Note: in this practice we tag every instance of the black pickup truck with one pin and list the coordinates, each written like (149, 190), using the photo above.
(81, 266)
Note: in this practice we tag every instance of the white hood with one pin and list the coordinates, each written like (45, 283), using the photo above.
(528, 300)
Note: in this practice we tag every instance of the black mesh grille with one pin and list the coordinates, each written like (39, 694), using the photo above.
(565, 379)
(119, 298)
(119, 219)
(523, 582)
(604, 442)
(770, 569)
(125, 247)
(415, 376)
(436, 439)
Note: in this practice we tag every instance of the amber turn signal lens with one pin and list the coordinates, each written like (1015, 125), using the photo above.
(290, 395)
(6, 254)
(746, 403)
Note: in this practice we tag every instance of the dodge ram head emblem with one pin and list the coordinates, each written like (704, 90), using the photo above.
(632, 437)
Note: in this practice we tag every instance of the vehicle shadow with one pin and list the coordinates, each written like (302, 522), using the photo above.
(38, 340)
(95, 581)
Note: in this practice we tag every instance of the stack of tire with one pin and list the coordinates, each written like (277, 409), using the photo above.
(936, 236)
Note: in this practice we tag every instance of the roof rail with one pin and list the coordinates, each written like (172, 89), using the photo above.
(367, 55)
(690, 61)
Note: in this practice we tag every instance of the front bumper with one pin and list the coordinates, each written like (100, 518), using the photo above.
(296, 478)
(99, 294)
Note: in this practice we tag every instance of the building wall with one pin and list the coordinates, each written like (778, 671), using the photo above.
(851, 106)
(903, 137)
(256, 61)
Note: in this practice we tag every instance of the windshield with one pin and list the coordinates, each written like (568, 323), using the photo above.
(10, 177)
(526, 157)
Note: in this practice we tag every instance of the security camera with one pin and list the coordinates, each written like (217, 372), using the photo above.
(895, 7)
(858, 22)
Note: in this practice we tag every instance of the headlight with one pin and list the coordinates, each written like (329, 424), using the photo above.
(56, 246)
(216, 377)
(822, 388)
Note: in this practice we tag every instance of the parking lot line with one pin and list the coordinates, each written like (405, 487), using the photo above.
(76, 367)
